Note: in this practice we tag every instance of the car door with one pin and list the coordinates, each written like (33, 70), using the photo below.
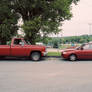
(86, 52)
(17, 49)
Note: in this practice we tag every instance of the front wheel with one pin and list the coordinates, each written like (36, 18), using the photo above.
(72, 57)
(35, 56)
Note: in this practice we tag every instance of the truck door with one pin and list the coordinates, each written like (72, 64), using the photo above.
(17, 49)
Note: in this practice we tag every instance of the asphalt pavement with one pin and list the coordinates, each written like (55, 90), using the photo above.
(52, 74)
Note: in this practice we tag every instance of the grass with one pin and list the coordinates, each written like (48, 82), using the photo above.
(54, 54)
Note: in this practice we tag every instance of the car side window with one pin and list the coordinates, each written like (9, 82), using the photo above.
(88, 47)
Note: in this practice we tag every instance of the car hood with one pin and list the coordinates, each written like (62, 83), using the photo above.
(67, 50)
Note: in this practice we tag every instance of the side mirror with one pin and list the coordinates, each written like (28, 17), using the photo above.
(21, 43)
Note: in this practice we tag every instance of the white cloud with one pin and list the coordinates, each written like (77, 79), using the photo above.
(82, 15)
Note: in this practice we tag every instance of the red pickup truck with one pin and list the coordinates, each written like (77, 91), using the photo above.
(19, 48)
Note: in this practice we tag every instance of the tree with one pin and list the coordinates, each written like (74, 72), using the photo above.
(28, 27)
(42, 16)
(8, 21)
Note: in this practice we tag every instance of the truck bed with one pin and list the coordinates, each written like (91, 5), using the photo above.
(5, 50)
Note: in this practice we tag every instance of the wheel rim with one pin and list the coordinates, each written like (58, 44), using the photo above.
(35, 56)
(72, 57)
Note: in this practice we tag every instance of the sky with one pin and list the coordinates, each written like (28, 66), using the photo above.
(79, 23)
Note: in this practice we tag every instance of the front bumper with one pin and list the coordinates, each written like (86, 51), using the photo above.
(44, 53)
(64, 55)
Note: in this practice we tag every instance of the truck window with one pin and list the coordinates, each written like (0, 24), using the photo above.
(17, 41)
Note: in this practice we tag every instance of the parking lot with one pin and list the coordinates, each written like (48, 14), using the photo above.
(52, 74)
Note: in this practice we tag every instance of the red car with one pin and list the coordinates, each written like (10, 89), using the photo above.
(82, 52)
(19, 48)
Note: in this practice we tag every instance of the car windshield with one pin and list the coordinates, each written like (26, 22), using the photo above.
(79, 46)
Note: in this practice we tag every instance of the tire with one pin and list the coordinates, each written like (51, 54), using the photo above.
(35, 56)
(72, 57)
(1, 57)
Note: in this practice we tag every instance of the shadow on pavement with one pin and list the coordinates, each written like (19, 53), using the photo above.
(52, 58)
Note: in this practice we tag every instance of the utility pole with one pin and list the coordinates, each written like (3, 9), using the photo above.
(90, 24)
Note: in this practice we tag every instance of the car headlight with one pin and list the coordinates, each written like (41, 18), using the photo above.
(64, 52)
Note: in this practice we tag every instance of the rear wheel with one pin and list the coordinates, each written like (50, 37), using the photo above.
(72, 57)
(35, 56)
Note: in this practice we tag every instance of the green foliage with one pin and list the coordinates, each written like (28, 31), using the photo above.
(71, 39)
(31, 28)
(8, 21)
(44, 16)
(45, 40)
(53, 41)
(77, 39)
